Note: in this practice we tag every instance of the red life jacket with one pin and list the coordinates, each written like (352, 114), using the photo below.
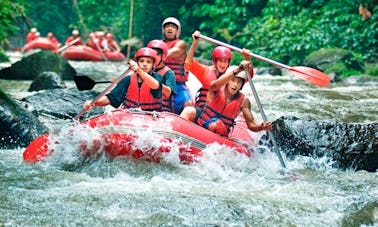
(219, 109)
(141, 97)
(167, 101)
(202, 92)
(176, 65)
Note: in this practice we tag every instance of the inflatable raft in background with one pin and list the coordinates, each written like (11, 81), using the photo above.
(85, 53)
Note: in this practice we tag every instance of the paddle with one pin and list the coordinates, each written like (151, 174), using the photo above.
(86, 83)
(305, 73)
(275, 147)
(68, 45)
(106, 91)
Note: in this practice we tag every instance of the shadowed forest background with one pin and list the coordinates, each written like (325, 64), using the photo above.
(284, 30)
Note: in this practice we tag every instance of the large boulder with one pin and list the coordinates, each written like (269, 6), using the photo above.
(47, 80)
(349, 145)
(61, 103)
(18, 126)
(28, 68)
(334, 61)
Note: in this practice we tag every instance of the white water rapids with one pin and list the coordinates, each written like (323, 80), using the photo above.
(220, 190)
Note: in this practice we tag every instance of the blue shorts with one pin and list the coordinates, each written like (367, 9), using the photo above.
(211, 120)
(183, 95)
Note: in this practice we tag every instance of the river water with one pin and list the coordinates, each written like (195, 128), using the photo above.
(220, 190)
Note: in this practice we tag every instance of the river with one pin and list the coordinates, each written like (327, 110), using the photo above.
(220, 190)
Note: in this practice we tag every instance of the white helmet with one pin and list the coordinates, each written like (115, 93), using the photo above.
(242, 73)
(34, 30)
(173, 21)
(75, 32)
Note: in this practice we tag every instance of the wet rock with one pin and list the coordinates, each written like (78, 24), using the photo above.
(334, 60)
(47, 80)
(349, 145)
(268, 71)
(28, 68)
(61, 103)
(18, 126)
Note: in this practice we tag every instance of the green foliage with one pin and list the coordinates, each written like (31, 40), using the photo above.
(372, 69)
(9, 11)
(286, 30)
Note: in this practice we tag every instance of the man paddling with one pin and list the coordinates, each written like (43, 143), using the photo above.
(171, 30)
(225, 101)
(142, 89)
(221, 59)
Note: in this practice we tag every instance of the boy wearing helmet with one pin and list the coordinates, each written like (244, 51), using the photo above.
(224, 102)
(221, 58)
(75, 35)
(31, 35)
(111, 43)
(141, 89)
(171, 30)
(169, 81)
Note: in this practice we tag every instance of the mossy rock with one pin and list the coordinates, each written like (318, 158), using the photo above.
(335, 61)
(30, 67)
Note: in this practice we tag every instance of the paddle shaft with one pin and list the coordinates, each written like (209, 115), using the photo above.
(106, 91)
(68, 44)
(251, 54)
(275, 147)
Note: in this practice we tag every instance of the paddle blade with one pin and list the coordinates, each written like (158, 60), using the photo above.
(84, 83)
(37, 150)
(311, 75)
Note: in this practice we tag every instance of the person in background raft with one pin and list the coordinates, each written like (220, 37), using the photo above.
(169, 81)
(92, 40)
(52, 38)
(171, 30)
(141, 89)
(31, 35)
(111, 44)
(75, 35)
(221, 58)
(225, 101)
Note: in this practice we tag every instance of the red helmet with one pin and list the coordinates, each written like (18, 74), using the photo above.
(146, 52)
(221, 52)
(109, 36)
(159, 44)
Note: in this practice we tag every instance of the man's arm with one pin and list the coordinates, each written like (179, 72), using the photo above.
(178, 51)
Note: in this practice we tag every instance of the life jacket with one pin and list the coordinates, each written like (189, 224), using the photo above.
(112, 45)
(141, 97)
(166, 101)
(71, 38)
(202, 92)
(219, 109)
(176, 65)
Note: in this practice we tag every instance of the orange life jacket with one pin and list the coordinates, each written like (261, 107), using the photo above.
(176, 65)
(141, 97)
(167, 101)
(202, 92)
(219, 109)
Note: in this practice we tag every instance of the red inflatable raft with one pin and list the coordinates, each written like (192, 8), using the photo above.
(41, 43)
(85, 53)
(120, 133)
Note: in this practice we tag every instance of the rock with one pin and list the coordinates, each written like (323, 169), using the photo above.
(28, 68)
(334, 60)
(18, 126)
(47, 80)
(268, 70)
(61, 103)
(350, 145)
